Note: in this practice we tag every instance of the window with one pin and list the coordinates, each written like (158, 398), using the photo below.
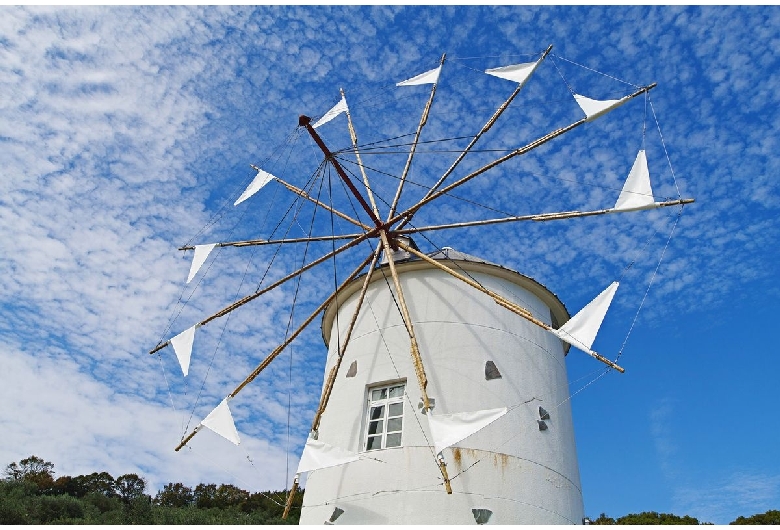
(384, 424)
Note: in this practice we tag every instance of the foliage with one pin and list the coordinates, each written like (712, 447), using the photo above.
(30, 495)
(646, 518)
(770, 517)
(174, 496)
(656, 518)
(32, 469)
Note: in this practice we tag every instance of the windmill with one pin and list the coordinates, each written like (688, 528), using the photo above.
(445, 394)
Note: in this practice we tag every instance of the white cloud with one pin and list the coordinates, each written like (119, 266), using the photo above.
(125, 129)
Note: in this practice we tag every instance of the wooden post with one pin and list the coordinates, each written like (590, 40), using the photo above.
(290, 497)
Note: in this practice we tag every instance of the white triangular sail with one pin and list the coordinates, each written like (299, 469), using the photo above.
(580, 331)
(201, 253)
(220, 420)
(182, 345)
(319, 455)
(340, 107)
(429, 77)
(637, 192)
(449, 429)
(518, 73)
(261, 179)
(594, 108)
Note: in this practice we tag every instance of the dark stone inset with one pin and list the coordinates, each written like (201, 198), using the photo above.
(481, 515)
(491, 372)
(543, 414)
(352, 372)
(336, 514)
(542, 425)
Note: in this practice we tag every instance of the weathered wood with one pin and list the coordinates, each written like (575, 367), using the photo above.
(500, 300)
(423, 121)
(249, 298)
(288, 505)
(485, 128)
(264, 364)
(412, 210)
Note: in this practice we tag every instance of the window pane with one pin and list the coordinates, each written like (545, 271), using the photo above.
(394, 440)
(379, 394)
(374, 442)
(396, 409)
(375, 427)
(394, 424)
(396, 391)
(377, 412)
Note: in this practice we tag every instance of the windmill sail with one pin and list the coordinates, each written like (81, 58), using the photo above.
(220, 420)
(261, 179)
(594, 108)
(637, 192)
(201, 253)
(426, 78)
(319, 455)
(580, 331)
(337, 109)
(449, 429)
(182, 345)
(376, 401)
(518, 73)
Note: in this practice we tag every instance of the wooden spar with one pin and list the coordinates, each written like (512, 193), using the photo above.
(569, 215)
(465, 224)
(353, 137)
(252, 296)
(288, 505)
(446, 476)
(534, 217)
(262, 366)
(335, 370)
(256, 242)
(305, 121)
(419, 369)
(485, 128)
(423, 121)
(520, 151)
(306, 196)
(531, 217)
(500, 300)
(297, 332)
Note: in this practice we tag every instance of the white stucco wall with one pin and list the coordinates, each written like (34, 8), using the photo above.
(523, 475)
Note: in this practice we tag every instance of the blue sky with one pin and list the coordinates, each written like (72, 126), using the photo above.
(128, 132)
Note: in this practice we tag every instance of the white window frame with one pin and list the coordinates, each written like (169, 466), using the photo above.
(384, 420)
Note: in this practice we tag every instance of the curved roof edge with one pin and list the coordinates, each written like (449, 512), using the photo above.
(465, 262)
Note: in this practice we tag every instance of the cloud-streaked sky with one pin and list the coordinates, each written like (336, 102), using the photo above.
(128, 132)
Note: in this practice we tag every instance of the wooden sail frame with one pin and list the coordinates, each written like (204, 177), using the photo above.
(389, 235)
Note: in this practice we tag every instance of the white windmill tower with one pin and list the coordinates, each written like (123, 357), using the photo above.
(445, 399)
(478, 357)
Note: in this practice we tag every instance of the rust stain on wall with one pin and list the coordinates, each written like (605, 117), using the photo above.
(456, 456)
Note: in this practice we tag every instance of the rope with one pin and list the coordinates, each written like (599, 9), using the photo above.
(652, 279)
(291, 319)
(663, 143)
(595, 71)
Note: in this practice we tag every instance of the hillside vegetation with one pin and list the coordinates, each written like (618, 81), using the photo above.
(29, 494)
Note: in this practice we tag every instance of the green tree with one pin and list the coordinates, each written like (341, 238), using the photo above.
(101, 483)
(32, 469)
(129, 487)
(770, 517)
(603, 519)
(204, 495)
(228, 495)
(645, 518)
(174, 496)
